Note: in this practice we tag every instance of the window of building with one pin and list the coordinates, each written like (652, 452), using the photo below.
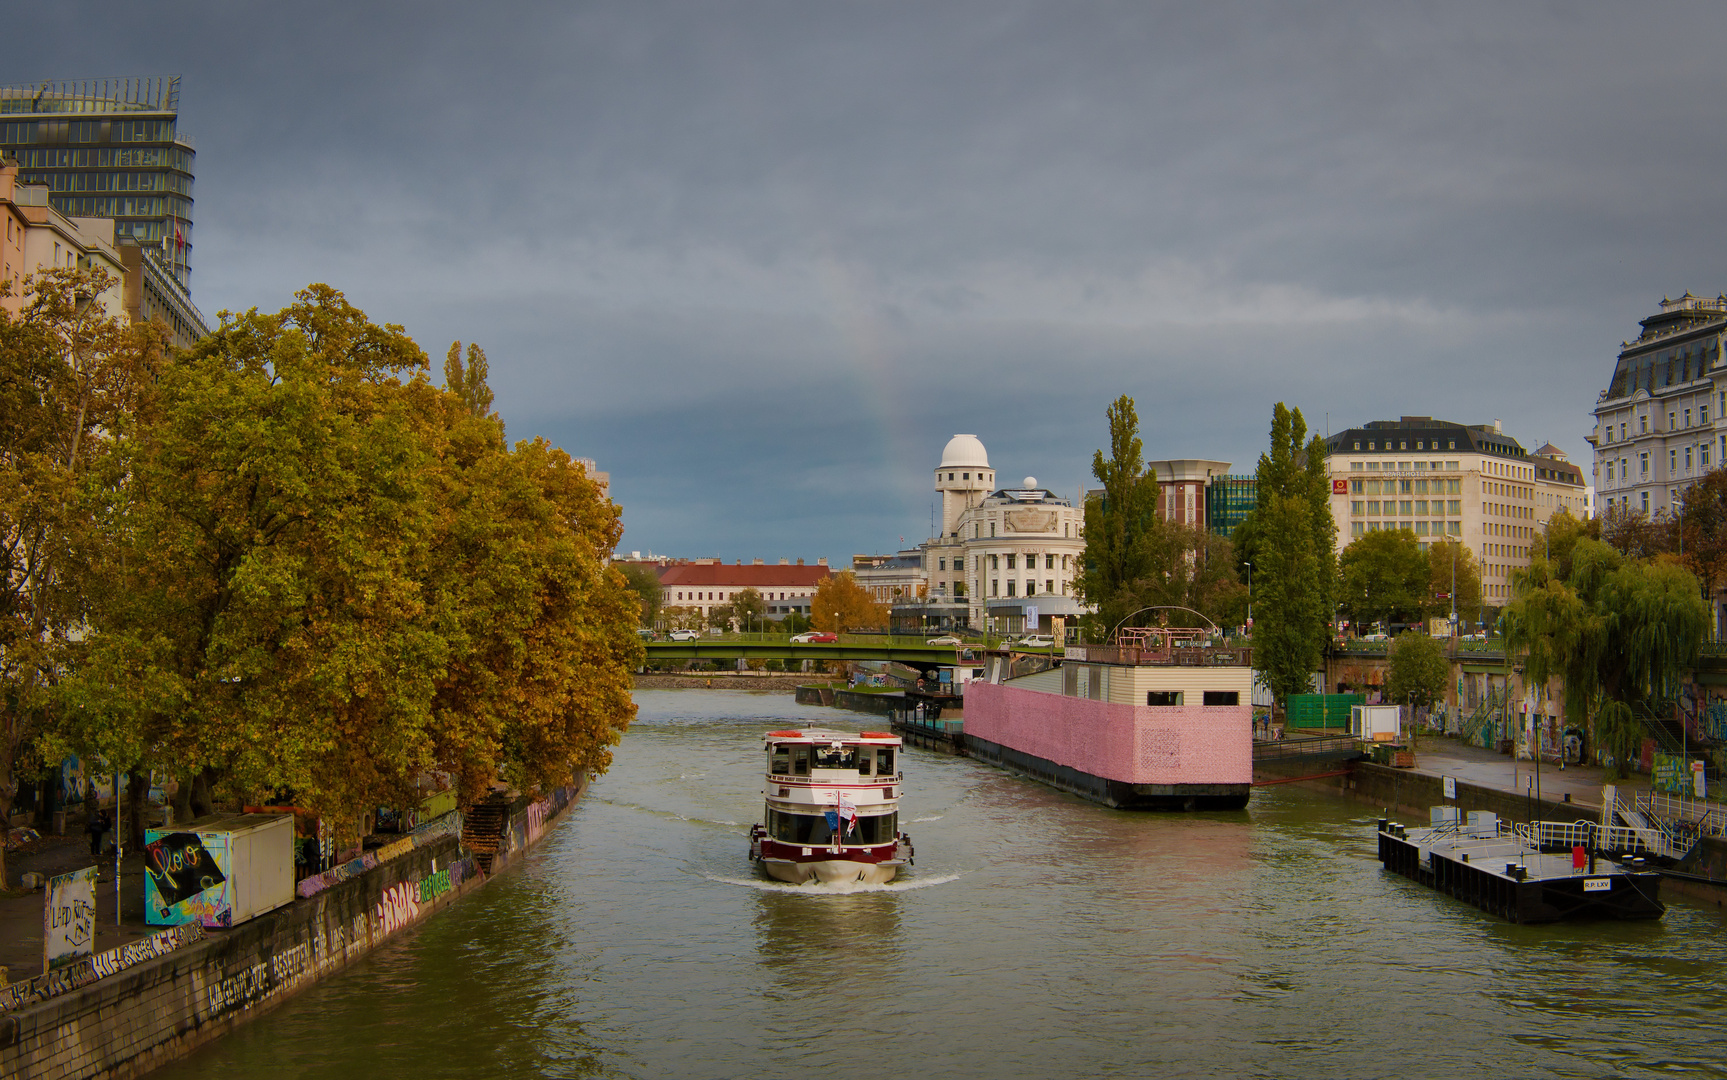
(992, 528)
(1010, 561)
(993, 590)
(1356, 529)
(1405, 487)
(1454, 507)
(1645, 502)
(1687, 459)
(1672, 462)
(1703, 455)
(1645, 463)
(1687, 417)
(1010, 585)
(1403, 507)
(1373, 506)
(1355, 508)
(1622, 435)
(1163, 699)
(1672, 421)
(1064, 561)
(1358, 444)
(1370, 444)
(1643, 423)
(995, 562)
(1030, 587)
(1421, 528)
(1356, 466)
(941, 564)
(1403, 445)
(1049, 585)
(1454, 528)
(1221, 697)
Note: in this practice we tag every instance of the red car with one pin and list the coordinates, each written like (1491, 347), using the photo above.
(815, 637)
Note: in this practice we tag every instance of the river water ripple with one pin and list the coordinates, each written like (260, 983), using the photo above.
(1037, 936)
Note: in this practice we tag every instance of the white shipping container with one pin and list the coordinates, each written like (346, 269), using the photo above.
(219, 870)
(1368, 721)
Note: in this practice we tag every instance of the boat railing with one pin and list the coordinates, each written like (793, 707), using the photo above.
(1546, 835)
(1341, 747)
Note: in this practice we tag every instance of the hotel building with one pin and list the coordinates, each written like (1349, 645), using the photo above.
(1472, 484)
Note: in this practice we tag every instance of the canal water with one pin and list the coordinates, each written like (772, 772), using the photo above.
(1037, 936)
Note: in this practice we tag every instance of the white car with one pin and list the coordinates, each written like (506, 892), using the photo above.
(683, 635)
(948, 639)
(1037, 641)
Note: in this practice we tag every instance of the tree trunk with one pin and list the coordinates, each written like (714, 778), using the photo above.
(202, 801)
(182, 801)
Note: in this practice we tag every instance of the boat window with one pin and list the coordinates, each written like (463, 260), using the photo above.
(841, 757)
(800, 761)
(865, 760)
(1222, 697)
(781, 762)
(884, 761)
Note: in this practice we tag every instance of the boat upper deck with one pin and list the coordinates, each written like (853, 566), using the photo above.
(1163, 647)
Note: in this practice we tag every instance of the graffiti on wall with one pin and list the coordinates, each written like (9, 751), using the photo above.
(103, 964)
(69, 918)
(182, 881)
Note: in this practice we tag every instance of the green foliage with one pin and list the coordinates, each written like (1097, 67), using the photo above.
(642, 581)
(1295, 578)
(1134, 560)
(1384, 577)
(1453, 569)
(468, 383)
(1419, 670)
(748, 607)
(1122, 534)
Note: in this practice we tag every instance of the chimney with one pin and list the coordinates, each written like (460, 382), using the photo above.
(800, 562)
(1496, 428)
(823, 561)
(755, 562)
(784, 562)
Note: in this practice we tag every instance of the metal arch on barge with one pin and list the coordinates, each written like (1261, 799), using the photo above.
(1161, 719)
(832, 810)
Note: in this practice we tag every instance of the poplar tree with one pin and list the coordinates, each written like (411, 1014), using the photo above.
(1121, 528)
(1295, 578)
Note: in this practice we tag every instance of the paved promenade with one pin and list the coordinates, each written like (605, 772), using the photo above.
(21, 912)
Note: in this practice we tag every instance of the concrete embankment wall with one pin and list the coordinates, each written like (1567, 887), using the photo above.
(1409, 795)
(137, 1019)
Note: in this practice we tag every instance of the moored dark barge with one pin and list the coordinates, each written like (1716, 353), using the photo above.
(1539, 873)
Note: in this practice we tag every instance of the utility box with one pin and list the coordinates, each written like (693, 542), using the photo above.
(218, 870)
(1371, 721)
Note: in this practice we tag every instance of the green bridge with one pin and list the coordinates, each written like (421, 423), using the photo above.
(912, 652)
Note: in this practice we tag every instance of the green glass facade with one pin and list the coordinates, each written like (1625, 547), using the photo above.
(1229, 499)
(108, 148)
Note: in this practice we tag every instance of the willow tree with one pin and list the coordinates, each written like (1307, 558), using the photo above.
(1619, 630)
(1295, 578)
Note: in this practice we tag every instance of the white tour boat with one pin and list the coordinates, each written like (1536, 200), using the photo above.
(832, 808)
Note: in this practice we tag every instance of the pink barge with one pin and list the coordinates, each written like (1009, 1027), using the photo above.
(1158, 720)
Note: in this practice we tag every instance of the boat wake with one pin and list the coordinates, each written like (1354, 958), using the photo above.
(834, 888)
(669, 815)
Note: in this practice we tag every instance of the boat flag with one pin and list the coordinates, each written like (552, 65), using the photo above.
(849, 812)
(833, 817)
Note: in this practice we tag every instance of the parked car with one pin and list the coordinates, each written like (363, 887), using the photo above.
(1037, 641)
(647, 635)
(683, 635)
(946, 639)
(1376, 637)
(815, 636)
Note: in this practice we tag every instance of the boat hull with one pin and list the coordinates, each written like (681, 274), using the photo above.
(831, 870)
(1116, 794)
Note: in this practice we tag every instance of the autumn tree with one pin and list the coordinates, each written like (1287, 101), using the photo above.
(468, 381)
(69, 377)
(748, 607)
(1636, 533)
(1295, 573)
(1384, 577)
(840, 605)
(1702, 525)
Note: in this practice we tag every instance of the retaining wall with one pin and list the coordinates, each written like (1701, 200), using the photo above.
(1409, 795)
(160, 1008)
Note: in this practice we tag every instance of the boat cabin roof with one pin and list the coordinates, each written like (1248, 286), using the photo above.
(813, 736)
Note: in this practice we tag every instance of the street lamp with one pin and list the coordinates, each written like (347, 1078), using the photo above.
(1249, 566)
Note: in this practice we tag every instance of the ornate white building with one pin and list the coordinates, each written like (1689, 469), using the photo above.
(1002, 552)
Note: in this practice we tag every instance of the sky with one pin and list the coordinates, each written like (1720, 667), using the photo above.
(762, 260)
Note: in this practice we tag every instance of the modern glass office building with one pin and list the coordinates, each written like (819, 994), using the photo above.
(1229, 499)
(108, 148)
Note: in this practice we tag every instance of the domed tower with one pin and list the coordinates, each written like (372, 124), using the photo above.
(963, 478)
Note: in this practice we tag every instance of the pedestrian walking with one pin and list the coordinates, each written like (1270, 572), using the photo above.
(96, 824)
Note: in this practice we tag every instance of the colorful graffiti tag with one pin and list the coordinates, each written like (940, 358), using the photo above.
(183, 882)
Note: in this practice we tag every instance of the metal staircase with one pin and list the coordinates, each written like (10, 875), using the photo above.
(483, 829)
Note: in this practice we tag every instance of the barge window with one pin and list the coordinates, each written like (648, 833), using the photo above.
(1163, 697)
(1222, 697)
(884, 761)
(781, 762)
(843, 757)
(865, 760)
(800, 761)
(812, 830)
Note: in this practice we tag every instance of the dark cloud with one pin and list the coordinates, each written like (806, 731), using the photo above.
(761, 260)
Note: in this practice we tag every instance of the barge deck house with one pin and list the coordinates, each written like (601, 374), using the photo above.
(1158, 720)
